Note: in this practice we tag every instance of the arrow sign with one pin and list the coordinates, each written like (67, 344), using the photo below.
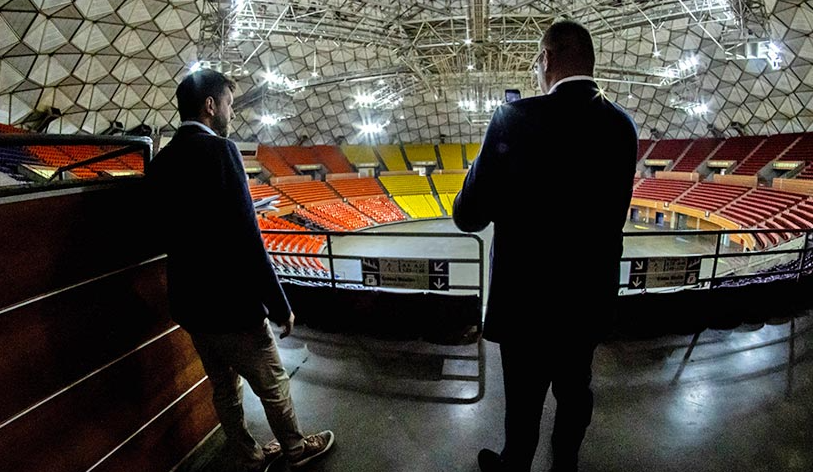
(412, 273)
(638, 265)
(439, 283)
(637, 282)
(370, 264)
(439, 267)
(664, 272)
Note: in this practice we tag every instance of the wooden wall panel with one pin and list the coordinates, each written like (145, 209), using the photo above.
(75, 429)
(165, 442)
(49, 344)
(690, 176)
(52, 240)
(801, 186)
(739, 180)
(95, 374)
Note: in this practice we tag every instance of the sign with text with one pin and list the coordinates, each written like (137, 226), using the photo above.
(421, 274)
(652, 272)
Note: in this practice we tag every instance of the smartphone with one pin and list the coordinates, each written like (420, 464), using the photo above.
(512, 95)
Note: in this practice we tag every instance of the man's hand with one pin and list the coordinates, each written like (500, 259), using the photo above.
(287, 326)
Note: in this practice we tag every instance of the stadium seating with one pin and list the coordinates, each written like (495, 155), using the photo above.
(447, 186)
(292, 264)
(760, 207)
(419, 206)
(472, 150)
(664, 190)
(360, 187)
(807, 172)
(800, 149)
(296, 155)
(332, 158)
(273, 161)
(738, 149)
(348, 203)
(342, 214)
(699, 150)
(380, 209)
(451, 156)
(392, 156)
(413, 194)
(643, 147)
(420, 153)
(772, 148)
(55, 157)
(79, 153)
(710, 196)
(360, 155)
(260, 191)
(669, 149)
(303, 193)
(411, 184)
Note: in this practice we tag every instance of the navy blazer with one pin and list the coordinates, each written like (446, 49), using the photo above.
(219, 276)
(563, 163)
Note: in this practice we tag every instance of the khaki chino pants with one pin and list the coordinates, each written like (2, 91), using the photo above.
(253, 356)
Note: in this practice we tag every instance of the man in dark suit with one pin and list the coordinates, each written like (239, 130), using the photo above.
(221, 284)
(574, 134)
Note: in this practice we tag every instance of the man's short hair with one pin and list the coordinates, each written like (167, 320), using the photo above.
(572, 42)
(195, 87)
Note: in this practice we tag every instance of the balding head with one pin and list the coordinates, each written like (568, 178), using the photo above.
(566, 49)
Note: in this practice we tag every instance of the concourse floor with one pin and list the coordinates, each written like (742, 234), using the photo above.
(721, 400)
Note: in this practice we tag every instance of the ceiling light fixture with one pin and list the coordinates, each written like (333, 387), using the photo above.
(679, 71)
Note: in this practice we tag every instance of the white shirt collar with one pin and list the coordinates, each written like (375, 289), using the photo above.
(572, 78)
(199, 125)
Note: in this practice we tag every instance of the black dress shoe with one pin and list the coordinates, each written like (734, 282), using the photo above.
(489, 461)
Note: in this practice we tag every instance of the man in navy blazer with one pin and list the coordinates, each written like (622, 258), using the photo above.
(221, 284)
(562, 162)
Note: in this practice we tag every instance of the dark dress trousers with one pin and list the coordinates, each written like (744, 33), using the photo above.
(554, 174)
(219, 276)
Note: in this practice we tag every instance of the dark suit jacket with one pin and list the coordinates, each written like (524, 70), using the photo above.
(563, 163)
(219, 276)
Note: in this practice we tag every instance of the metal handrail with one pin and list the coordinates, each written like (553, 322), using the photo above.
(332, 256)
(796, 267)
(130, 143)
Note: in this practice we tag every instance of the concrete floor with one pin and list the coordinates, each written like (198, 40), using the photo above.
(722, 400)
(733, 400)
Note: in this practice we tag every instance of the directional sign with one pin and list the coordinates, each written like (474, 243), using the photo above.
(650, 272)
(422, 274)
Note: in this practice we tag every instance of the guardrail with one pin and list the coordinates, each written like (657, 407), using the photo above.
(692, 259)
(723, 264)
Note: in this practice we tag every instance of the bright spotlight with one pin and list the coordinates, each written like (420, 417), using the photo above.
(373, 128)
(269, 120)
(365, 99)
(698, 109)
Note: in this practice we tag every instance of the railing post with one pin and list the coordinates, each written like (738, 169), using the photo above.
(330, 261)
(803, 256)
(716, 258)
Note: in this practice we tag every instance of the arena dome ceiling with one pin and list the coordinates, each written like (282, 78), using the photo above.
(372, 71)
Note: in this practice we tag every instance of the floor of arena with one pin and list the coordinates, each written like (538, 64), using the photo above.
(730, 399)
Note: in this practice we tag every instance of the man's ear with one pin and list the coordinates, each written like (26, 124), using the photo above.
(546, 61)
(209, 106)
